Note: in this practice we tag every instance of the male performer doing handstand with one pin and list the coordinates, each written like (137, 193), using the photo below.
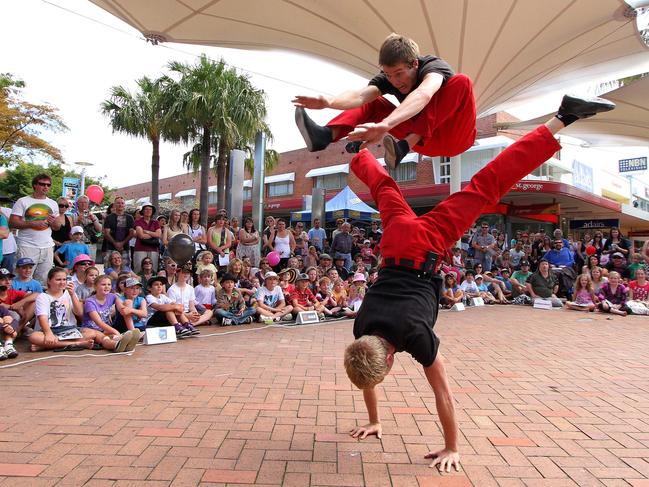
(400, 309)
(436, 115)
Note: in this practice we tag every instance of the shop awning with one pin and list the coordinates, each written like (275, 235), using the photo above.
(247, 183)
(410, 157)
(324, 171)
(186, 192)
(278, 178)
(144, 199)
(164, 197)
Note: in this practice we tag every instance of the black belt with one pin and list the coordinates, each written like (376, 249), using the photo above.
(398, 262)
(427, 269)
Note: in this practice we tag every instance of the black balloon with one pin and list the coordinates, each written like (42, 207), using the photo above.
(181, 248)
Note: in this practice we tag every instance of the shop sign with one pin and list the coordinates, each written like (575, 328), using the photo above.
(634, 164)
(594, 224)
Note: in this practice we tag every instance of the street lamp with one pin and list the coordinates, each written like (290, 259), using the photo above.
(84, 165)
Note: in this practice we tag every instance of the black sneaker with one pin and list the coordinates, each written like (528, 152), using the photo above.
(316, 137)
(181, 331)
(574, 108)
(395, 150)
(353, 147)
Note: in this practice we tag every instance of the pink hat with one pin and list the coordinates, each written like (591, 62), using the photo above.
(82, 258)
(359, 276)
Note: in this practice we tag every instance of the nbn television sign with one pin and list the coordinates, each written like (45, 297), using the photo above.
(635, 164)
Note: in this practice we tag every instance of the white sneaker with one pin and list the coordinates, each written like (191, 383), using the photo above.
(10, 350)
(3, 354)
(288, 317)
(226, 322)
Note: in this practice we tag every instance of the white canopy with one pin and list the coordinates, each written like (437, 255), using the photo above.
(628, 124)
(164, 197)
(186, 192)
(323, 171)
(278, 178)
(512, 49)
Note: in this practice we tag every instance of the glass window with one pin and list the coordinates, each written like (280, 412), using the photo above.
(247, 194)
(282, 188)
(211, 197)
(187, 200)
(445, 170)
(331, 181)
(406, 171)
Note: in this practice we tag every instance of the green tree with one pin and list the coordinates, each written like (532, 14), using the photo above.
(221, 111)
(17, 181)
(21, 124)
(145, 114)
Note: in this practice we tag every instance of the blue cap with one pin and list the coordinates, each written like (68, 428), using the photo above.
(23, 261)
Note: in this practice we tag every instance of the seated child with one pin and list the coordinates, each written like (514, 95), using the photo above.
(638, 302)
(303, 299)
(469, 286)
(134, 311)
(483, 289)
(359, 265)
(205, 293)
(162, 309)
(271, 304)
(87, 287)
(585, 298)
(451, 292)
(325, 298)
(68, 252)
(8, 332)
(613, 295)
(458, 261)
(286, 279)
(230, 305)
(182, 292)
(357, 291)
(204, 263)
(23, 280)
(97, 313)
(636, 263)
(20, 304)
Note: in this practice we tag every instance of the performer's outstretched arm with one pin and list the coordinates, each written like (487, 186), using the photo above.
(374, 426)
(444, 402)
(343, 101)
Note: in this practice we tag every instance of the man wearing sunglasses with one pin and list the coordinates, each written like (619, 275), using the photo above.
(35, 217)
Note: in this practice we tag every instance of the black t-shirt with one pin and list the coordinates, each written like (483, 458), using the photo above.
(427, 64)
(402, 308)
(119, 226)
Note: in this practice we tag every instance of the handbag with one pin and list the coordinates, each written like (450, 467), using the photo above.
(152, 242)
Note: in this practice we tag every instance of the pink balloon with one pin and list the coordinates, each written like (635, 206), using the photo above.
(273, 258)
(95, 193)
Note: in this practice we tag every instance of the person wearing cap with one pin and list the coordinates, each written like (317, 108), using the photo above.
(163, 311)
(339, 265)
(618, 263)
(484, 291)
(519, 278)
(325, 263)
(271, 304)
(19, 303)
(303, 299)
(148, 233)
(357, 291)
(119, 229)
(183, 292)
(24, 280)
(35, 217)
(369, 259)
(67, 253)
(230, 305)
(134, 311)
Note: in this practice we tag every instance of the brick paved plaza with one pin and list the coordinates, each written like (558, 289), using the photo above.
(544, 398)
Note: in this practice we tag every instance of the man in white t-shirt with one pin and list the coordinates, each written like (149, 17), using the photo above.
(270, 300)
(34, 217)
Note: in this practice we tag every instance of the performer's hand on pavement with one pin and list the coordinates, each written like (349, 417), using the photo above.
(312, 102)
(362, 432)
(369, 133)
(444, 460)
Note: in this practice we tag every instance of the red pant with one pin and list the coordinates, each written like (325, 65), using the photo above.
(446, 124)
(406, 235)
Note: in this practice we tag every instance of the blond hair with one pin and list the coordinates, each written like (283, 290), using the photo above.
(398, 49)
(366, 361)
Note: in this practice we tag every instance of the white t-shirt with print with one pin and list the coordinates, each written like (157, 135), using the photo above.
(151, 299)
(268, 297)
(58, 310)
(32, 209)
(182, 295)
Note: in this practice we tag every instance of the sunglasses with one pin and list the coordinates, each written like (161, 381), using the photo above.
(64, 206)
(45, 185)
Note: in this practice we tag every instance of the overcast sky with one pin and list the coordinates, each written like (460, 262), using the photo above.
(71, 62)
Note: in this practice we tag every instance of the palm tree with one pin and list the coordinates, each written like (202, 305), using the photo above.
(222, 111)
(143, 114)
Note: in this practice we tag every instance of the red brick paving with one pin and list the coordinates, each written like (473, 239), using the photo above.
(544, 398)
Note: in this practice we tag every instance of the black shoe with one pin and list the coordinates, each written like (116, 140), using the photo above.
(395, 150)
(353, 147)
(316, 137)
(574, 108)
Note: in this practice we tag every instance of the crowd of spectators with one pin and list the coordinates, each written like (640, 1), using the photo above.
(73, 279)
